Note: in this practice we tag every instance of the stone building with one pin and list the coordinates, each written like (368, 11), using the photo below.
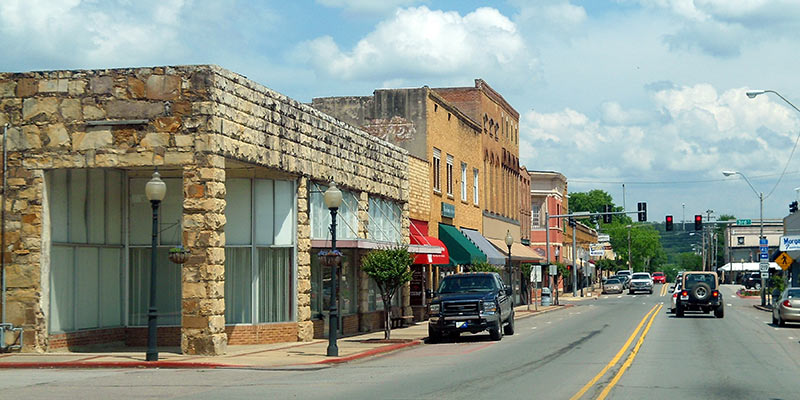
(244, 168)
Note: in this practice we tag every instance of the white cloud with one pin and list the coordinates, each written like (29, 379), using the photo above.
(367, 6)
(688, 129)
(419, 42)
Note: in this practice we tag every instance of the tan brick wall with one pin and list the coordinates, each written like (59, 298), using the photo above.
(419, 182)
(452, 132)
(260, 334)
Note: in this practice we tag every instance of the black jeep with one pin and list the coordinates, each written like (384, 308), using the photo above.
(699, 292)
(471, 302)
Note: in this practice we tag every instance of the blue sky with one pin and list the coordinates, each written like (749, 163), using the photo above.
(646, 92)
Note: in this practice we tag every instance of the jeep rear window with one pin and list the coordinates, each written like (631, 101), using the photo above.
(693, 279)
(461, 284)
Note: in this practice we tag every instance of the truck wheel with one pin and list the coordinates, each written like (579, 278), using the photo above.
(702, 291)
(719, 312)
(509, 328)
(496, 333)
(679, 311)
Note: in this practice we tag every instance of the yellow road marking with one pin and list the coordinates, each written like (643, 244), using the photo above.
(629, 361)
(616, 357)
(664, 288)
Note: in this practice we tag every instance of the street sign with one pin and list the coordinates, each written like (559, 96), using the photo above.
(784, 261)
(789, 243)
(603, 238)
(763, 266)
(553, 270)
(743, 222)
(763, 242)
(597, 252)
(536, 274)
(765, 275)
(763, 256)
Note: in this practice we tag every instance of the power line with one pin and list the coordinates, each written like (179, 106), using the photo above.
(676, 182)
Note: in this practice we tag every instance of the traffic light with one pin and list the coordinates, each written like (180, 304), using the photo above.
(669, 223)
(642, 211)
(572, 222)
(607, 217)
(698, 222)
(793, 207)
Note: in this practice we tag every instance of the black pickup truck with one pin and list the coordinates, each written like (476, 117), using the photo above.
(471, 302)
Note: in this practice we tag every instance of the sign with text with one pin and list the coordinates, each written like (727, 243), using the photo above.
(743, 222)
(536, 273)
(763, 266)
(553, 270)
(789, 243)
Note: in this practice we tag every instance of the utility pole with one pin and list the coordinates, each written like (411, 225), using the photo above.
(703, 248)
(630, 264)
(683, 220)
(574, 262)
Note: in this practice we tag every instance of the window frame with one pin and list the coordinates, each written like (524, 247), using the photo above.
(437, 174)
(449, 171)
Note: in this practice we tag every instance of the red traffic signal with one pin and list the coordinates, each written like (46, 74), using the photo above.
(669, 223)
(698, 222)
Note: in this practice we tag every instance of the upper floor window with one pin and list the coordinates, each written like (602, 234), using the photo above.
(437, 165)
(449, 175)
(463, 181)
(346, 216)
(475, 186)
(536, 216)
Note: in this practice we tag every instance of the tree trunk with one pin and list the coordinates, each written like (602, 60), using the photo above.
(387, 305)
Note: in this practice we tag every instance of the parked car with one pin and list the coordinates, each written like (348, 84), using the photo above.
(641, 281)
(612, 285)
(752, 281)
(700, 292)
(786, 308)
(659, 277)
(471, 302)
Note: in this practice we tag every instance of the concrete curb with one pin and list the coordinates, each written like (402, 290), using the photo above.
(762, 308)
(117, 364)
(528, 314)
(368, 353)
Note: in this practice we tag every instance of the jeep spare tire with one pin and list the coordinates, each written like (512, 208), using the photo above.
(702, 291)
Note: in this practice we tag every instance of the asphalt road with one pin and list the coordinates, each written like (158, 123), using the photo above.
(595, 349)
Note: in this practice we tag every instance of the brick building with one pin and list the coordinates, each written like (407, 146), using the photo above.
(548, 196)
(244, 168)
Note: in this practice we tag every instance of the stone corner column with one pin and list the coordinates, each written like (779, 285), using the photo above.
(203, 275)
(305, 327)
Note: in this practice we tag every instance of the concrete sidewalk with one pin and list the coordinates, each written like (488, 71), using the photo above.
(268, 356)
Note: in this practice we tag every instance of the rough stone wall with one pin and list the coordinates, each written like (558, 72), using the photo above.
(305, 327)
(203, 275)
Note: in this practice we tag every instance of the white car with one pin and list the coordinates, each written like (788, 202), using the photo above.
(641, 281)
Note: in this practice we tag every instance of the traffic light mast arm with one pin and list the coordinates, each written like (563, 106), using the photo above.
(587, 214)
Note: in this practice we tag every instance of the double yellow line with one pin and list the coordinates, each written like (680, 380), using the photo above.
(664, 289)
(651, 315)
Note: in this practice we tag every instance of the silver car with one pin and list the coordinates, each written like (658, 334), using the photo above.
(612, 285)
(787, 307)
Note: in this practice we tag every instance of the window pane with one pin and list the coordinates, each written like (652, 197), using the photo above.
(62, 292)
(320, 216)
(238, 285)
(171, 213)
(87, 278)
(347, 218)
(348, 289)
(274, 284)
(58, 204)
(140, 213)
(168, 287)
(284, 213)
(463, 181)
(264, 206)
(114, 207)
(77, 205)
(110, 287)
(96, 203)
(237, 211)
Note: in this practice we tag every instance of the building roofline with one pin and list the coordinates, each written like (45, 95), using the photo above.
(453, 109)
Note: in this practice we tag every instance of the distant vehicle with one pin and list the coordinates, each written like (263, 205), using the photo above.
(471, 302)
(787, 307)
(625, 273)
(612, 285)
(659, 277)
(675, 291)
(700, 292)
(641, 281)
(752, 281)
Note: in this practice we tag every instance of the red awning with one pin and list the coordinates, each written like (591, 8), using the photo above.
(441, 258)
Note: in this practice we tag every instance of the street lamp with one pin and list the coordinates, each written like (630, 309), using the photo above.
(509, 242)
(761, 210)
(155, 190)
(333, 199)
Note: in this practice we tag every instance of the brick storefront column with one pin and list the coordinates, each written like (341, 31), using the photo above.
(203, 275)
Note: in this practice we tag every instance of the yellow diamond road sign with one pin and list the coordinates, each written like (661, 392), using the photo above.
(784, 261)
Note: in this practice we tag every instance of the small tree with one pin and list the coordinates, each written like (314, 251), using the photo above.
(483, 266)
(390, 268)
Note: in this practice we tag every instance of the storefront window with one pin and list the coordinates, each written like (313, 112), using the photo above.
(321, 285)
(384, 220)
(346, 215)
(260, 234)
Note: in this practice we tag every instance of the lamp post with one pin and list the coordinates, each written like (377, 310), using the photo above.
(509, 242)
(155, 189)
(629, 249)
(683, 219)
(333, 199)
(760, 215)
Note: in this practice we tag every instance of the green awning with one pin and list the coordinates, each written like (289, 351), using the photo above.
(462, 250)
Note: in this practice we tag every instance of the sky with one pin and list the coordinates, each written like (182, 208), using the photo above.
(645, 93)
